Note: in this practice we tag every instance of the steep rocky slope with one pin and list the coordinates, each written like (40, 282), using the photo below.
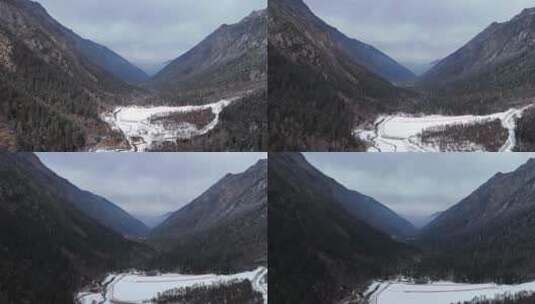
(48, 247)
(51, 91)
(489, 234)
(318, 91)
(227, 63)
(224, 229)
(318, 251)
(492, 71)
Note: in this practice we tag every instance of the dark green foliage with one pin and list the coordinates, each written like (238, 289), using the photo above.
(224, 230)
(232, 247)
(236, 292)
(305, 112)
(519, 298)
(502, 252)
(232, 59)
(48, 249)
(318, 253)
(525, 132)
(242, 127)
(491, 135)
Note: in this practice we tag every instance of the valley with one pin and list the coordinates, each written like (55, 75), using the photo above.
(142, 287)
(440, 292)
(402, 132)
(97, 100)
(480, 247)
(81, 247)
(332, 92)
(142, 126)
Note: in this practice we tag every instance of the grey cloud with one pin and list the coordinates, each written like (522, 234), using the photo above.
(416, 185)
(416, 31)
(148, 184)
(149, 32)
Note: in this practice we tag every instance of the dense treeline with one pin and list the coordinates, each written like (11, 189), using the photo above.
(211, 253)
(45, 107)
(525, 131)
(48, 249)
(318, 253)
(242, 127)
(38, 127)
(235, 292)
(305, 112)
(518, 298)
(501, 253)
(490, 135)
(495, 88)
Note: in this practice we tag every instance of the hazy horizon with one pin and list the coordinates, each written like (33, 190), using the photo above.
(148, 34)
(415, 185)
(416, 32)
(148, 184)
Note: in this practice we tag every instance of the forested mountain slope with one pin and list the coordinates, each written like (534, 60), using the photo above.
(318, 251)
(224, 229)
(49, 248)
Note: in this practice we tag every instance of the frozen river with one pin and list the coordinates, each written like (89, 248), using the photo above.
(397, 292)
(142, 131)
(139, 288)
(401, 132)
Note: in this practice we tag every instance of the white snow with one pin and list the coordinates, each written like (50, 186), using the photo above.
(400, 133)
(135, 122)
(137, 288)
(443, 292)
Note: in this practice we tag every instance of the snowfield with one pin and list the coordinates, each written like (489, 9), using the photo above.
(399, 292)
(136, 288)
(400, 133)
(135, 123)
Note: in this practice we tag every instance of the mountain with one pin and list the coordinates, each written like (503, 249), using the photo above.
(48, 247)
(493, 70)
(489, 234)
(356, 204)
(224, 229)
(318, 251)
(227, 63)
(96, 207)
(111, 62)
(370, 57)
(153, 221)
(318, 92)
(53, 83)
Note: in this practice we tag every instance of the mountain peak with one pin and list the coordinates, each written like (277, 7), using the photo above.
(526, 12)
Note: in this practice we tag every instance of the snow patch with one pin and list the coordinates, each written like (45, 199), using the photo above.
(140, 288)
(400, 132)
(441, 292)
(141, 131)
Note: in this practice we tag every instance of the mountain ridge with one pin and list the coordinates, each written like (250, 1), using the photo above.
(224, 229)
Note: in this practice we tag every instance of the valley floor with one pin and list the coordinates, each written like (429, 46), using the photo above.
(137, 288)
(401, 132)
(142, 128)
(405, 292)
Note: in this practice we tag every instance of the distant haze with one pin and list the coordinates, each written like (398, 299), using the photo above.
(148, 184)
(416, 32)
(416, 185)
(148, 33)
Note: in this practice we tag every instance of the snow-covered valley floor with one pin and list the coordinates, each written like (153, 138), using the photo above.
(142, 131)
(400, 133)
(137, 288)
(399, 292)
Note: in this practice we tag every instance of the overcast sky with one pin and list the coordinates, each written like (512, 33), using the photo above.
(146, 31)
(416, 185)
(148, 184)
(416, 31)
